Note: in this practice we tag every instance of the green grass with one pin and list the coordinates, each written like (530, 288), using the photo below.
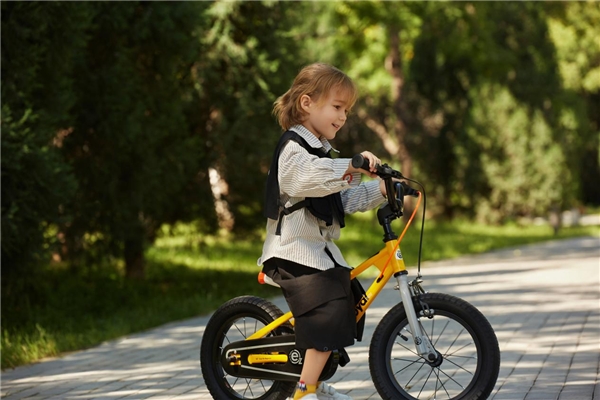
(189, 274)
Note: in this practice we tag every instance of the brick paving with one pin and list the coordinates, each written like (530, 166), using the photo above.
(542, 300)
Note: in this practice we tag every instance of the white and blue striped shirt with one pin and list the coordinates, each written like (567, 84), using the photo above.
(304, 238)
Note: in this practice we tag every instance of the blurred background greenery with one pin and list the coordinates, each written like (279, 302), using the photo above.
(136, 137)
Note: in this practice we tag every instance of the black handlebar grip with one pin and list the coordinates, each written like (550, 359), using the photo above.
(358, 161)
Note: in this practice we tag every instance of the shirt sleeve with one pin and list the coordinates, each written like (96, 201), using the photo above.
(302, 174)
(364, 197)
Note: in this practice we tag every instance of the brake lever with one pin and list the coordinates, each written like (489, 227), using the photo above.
(386, 171)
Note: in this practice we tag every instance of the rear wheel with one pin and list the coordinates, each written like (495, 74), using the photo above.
(233, 321)
(468, 357)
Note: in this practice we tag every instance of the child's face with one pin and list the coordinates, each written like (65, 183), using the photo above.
(327, 116)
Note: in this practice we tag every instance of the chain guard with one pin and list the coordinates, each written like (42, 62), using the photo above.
(234, 359)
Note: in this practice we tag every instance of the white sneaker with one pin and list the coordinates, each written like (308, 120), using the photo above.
(327, 392)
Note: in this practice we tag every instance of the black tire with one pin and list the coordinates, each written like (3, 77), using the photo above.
(467, 349)
(235, 320)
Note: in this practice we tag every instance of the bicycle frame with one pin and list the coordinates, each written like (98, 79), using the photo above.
(390, 263)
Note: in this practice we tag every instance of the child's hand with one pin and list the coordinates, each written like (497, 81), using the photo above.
(373, 162)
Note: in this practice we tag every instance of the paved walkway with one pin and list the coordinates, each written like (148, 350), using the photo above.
(542, 300)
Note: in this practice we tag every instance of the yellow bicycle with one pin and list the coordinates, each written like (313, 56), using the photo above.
(428, 346)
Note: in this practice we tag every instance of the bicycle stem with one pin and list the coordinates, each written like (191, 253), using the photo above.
(422, 343)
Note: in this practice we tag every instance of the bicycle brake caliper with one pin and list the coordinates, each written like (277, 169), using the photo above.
(417, 292)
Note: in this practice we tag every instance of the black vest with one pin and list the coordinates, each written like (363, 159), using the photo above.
(324, 208)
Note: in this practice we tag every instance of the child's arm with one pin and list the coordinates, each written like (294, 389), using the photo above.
(364, 197)
(304, 175)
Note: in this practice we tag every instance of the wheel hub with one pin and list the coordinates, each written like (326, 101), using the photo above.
(438, 360)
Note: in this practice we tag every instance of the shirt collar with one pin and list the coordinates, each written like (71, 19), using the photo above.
(311, 139)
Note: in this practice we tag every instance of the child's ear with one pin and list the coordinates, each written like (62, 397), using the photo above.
(305, 102)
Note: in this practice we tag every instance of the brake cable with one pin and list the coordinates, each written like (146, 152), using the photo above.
(422, 224)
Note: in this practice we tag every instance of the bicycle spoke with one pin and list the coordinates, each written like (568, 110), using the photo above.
(454, 341)
(413, 377)
(440, 334)
(459, 366)
(453, 354)
(226, 338)
(263, 385)
(468, 357)
(235, 382)
(441, 383)
(248, 387)
(238, 329)
(451, 378)
(437, 379)
(407, 348)
(426, 380)
(408, 366)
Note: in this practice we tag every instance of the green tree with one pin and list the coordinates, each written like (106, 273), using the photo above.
(251, 58)
(575, 35)
(132, 149)
(38, 61)
(430, 72)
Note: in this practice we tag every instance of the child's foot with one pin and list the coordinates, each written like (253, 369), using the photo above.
(327, 392)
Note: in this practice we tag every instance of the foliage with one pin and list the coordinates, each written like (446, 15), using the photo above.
(575, 35)
(131, 147)
(250, 60)
(37, 183)
(130, 118)
(457, 61)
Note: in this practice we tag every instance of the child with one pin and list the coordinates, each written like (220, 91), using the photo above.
(307, 195)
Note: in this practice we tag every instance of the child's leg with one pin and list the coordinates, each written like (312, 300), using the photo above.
(314, 361)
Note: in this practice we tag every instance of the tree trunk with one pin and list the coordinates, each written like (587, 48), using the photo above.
(220, 188)
(135, 263)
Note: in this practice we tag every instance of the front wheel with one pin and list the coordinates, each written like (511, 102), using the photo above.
(468, 357)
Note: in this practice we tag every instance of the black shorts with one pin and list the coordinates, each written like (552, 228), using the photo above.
(321, 301)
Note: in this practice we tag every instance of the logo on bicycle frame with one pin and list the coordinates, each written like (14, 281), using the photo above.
(295, 357)
(359, 307)
(398, 255)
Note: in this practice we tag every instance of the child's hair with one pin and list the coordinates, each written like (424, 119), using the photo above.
(313, 80)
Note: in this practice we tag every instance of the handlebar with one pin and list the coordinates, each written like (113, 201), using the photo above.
(395, 190)
(383, 171)
(386, 173)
